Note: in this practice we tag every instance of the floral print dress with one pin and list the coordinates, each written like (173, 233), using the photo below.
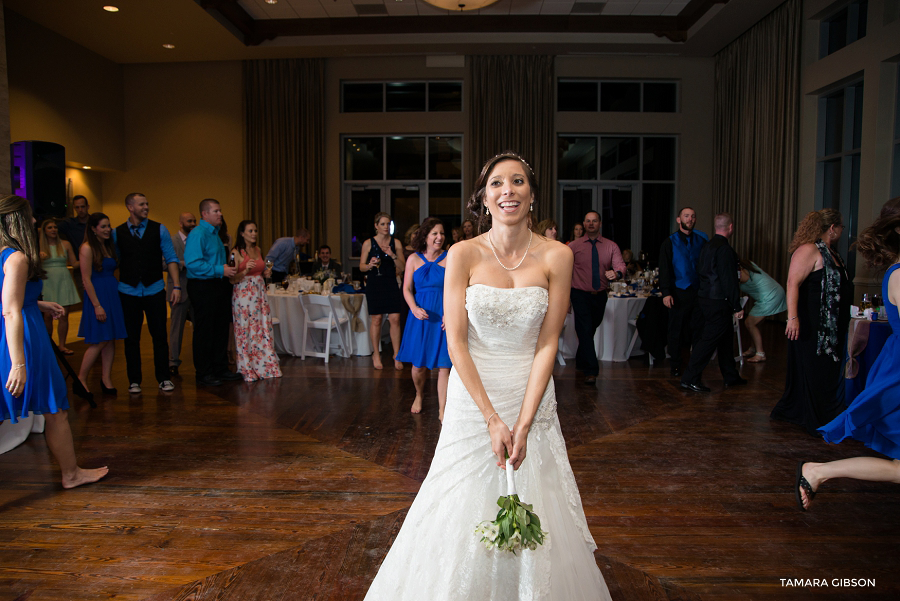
(253, 339)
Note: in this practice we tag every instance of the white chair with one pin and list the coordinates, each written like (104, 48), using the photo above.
(276, 337)
(319, 314)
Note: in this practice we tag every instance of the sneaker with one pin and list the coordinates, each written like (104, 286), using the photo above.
(166, 386)
(134, 388)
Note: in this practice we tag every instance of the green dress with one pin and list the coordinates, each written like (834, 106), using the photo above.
(59, 287)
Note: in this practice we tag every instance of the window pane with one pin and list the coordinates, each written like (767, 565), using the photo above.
(835, 29)
(405, 158)
(895, 172)
(619, 158)
(363, 159)
(617, 216)
(445, 96)
(364, 204)
(660, 97)
(831, 184)
(656, 218)
(834, 123)
(621, 96)
(659, 158)
(576, 96)
(445, 202)
(444, 158)
(577, 158)
(576, 203)
(405, 96)
(404, 209)
(363, 98)
(856, 92)
(861, 20)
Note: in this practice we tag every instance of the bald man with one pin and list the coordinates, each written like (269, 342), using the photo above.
(180, 310)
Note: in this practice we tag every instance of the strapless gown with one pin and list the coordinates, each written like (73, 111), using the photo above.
(436, 555)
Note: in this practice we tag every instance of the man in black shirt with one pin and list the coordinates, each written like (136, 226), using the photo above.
(719, 297)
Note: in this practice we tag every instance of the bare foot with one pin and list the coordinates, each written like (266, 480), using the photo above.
(376, 362)
(66, 351)
(749, 352)
(83, 476)
(398, 365)
(417, 405)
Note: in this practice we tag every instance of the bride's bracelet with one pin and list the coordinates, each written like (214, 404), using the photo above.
(488, 423)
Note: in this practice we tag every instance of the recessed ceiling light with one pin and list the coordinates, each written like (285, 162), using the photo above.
(85, 166)
(168, 46)
(111, 9)
(271, 1)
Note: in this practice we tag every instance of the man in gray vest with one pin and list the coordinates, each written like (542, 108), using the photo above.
(143, 247)
(182, 308)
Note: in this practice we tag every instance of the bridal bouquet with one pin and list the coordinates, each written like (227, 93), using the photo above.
(517, 527)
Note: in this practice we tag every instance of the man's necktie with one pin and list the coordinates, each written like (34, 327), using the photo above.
(134, 230)
(595, 264)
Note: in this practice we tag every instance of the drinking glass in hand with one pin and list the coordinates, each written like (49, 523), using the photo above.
(377, 260)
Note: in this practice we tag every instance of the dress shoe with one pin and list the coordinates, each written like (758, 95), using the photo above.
(230, 376)
(675, 372)
(109, 391)
(738, 382)
(590, 380)
(209, 381)
(694, 387)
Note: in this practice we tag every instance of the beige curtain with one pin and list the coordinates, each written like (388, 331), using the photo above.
(284, 148)
(511, 107)
(757, 108)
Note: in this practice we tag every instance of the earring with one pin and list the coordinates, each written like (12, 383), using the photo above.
(532, 207)
(487, 211)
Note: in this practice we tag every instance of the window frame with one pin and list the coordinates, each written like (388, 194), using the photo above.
(642, 82)
(384, 84)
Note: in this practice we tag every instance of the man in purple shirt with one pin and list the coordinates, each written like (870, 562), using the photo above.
(598, 262)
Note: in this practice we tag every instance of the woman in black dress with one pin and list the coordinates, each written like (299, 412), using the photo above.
(818, 299)
(382, 258)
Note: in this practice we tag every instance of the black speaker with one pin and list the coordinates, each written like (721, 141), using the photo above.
(39, 174)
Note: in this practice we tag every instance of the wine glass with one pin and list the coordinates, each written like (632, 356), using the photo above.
(285, 284)
(269, 265)
(377, 264)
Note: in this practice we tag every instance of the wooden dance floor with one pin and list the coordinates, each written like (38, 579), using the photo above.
(293, 489)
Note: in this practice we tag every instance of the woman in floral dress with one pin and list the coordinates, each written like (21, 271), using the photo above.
(254, 344)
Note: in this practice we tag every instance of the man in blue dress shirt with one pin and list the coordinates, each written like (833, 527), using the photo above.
(210, 291)
(143, 247)
(285, 250)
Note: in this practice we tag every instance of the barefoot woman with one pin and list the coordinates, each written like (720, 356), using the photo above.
(28, 366)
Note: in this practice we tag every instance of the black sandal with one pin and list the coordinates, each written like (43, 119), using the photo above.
(801, 482)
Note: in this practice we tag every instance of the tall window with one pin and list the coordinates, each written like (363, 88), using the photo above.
(843, 27)
(629, 180)
(895, 171)
(404, 96)
(838, 159)
(410, 177)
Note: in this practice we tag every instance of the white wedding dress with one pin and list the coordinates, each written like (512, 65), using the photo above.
(437, 556)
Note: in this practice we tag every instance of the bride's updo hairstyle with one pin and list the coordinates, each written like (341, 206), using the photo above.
(17, 231)
(476, 201)
(879, 244)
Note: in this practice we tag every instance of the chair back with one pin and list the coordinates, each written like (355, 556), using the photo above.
(316, 307)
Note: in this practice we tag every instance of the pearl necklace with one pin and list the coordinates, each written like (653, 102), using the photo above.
(494, 250)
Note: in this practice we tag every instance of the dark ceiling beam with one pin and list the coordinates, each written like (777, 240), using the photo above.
(253, 32)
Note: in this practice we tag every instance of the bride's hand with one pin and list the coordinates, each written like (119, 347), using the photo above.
(520, 442)
(501, 440)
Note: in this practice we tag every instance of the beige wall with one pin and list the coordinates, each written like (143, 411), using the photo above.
(875, 59)
(5, 184)
(61, 92)
(183, 141)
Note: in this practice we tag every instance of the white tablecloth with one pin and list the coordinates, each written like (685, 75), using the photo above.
(14, 434)
(290, 315)
(612, 338)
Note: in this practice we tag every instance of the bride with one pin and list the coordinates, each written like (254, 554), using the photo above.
(506, 293)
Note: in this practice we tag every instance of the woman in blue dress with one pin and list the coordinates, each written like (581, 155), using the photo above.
(33, 382)
(874, 416)
(102, 322)
(424, 340)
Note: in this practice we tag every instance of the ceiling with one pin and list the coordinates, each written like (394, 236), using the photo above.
(203, 30)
